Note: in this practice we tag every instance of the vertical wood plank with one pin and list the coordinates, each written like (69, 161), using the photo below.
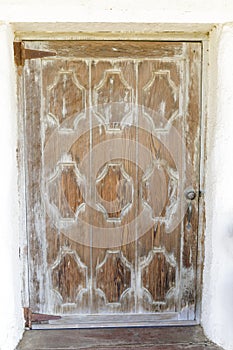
(34, 183)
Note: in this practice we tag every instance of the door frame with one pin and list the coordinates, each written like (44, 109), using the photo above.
(114, 31)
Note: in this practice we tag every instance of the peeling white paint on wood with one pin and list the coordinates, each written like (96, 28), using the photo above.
(120, 289)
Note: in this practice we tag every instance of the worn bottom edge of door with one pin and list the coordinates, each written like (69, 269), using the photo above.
(109, 321)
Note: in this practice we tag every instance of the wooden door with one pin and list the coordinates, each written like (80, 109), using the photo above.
(112, 153)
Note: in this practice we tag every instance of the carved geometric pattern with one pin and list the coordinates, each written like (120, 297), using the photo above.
(65, 190)
(66, 96)
(161, 95)
(113, 276)
(69, 276)
(114, 191)
(160, 191)
(112, 99)
(158, 274)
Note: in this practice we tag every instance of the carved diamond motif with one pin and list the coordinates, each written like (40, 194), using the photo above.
(114, 191)
(113, 99)
(65, 191)
(66, 96)
(160, 191)
(69, 276)
(113, 276)
(161, 95)
(159, 275)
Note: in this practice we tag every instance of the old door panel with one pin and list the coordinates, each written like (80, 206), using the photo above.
(112, 144)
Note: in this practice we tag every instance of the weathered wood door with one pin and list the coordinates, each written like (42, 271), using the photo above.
(112, 153)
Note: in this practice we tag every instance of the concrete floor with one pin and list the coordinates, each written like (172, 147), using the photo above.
(149, 338)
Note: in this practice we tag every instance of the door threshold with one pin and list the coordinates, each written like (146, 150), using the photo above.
(114, 321)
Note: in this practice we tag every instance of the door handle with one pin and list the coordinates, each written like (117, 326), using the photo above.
(190, 196)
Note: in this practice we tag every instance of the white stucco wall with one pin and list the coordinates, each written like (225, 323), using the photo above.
(11, 320)
(195, 11)
(217, 315)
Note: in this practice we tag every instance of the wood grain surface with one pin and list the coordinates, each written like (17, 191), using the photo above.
(94, 166)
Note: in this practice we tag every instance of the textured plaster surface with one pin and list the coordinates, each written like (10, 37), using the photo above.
(217, 315)
(117, 11)
(11, 320)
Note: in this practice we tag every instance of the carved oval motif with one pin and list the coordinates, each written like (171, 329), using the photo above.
(161, 95)
(114, 191)
(69, 276)
(160, 191)
(113, 276)
(158, 275)
(66, 96)
(65, 192)
(113, 99)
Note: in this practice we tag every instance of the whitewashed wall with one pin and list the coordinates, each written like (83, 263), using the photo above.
(194, 11)
(217, 316)
(11, 320)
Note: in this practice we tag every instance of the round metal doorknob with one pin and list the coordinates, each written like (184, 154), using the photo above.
(190, 194)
